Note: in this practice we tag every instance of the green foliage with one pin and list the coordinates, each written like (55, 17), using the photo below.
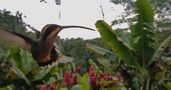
(79, 49)
(139, 54)
(94, 65)
(104, 57)
(84, 82)
(161, 9)
(143, 51)
(123, 34)
(15, 65)
(119, 48)
(142, 33)
(158, 53)
(14, 23)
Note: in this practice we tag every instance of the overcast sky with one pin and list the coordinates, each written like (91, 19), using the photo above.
(73, 12)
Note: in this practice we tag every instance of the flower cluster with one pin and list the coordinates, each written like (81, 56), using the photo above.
(52, 86)
(103, 80)
(69, 80)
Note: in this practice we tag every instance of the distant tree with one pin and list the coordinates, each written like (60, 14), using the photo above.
(162, 10)
(77, 49)
(16, 23)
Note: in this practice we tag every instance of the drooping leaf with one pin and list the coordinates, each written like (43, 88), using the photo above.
(168, 85)
(142, 33)
(23, 60)
(27, 61)
(50, 80)
(104, 62)
(161, 49)
(42, 73)
(76, 87)
(20, 74)
(118, 47)
(94, 65)
(98, 49)
(107, 54)
(85, 82)
(124, 35)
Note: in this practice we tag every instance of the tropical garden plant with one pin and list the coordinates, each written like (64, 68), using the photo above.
(133, 62)
(142, 56)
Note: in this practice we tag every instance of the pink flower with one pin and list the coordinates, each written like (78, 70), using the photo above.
(119, 76)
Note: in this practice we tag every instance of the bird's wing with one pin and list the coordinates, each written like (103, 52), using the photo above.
(62, 58)
(12, 38)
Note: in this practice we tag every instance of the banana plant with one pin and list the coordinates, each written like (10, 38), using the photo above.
(104, 56)
(142, 51)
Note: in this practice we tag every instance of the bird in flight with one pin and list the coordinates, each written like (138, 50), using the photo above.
(43, 49)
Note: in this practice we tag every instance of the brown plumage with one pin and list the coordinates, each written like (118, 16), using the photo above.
(43, 49)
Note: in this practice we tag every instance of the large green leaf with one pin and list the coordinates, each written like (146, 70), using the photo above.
(96, 49)
(106, 63)
(145, 10)
(102, 52)
(93, 65)
(161, 49)
(23, 60)
(99, 50)
(112, 40)
(42, 73)
(142, 33)
(20, 74)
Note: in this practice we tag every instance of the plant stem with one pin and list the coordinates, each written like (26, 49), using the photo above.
(146, 83)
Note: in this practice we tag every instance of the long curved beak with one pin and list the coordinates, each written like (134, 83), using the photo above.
(60, 28)
(74, 26)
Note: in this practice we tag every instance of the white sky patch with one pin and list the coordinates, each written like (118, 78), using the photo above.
(73, 12)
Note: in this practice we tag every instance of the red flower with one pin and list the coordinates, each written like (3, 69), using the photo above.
(91, 71)
(68, 78)
(74, 79)
(93, 82)
(52, 86)
(42, 87)
(93, 79)
(78, 69)
(109, 76)
(102, 74)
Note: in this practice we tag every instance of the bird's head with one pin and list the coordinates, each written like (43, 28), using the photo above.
(50, 31)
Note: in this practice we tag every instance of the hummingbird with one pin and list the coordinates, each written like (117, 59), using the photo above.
(43, 49)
